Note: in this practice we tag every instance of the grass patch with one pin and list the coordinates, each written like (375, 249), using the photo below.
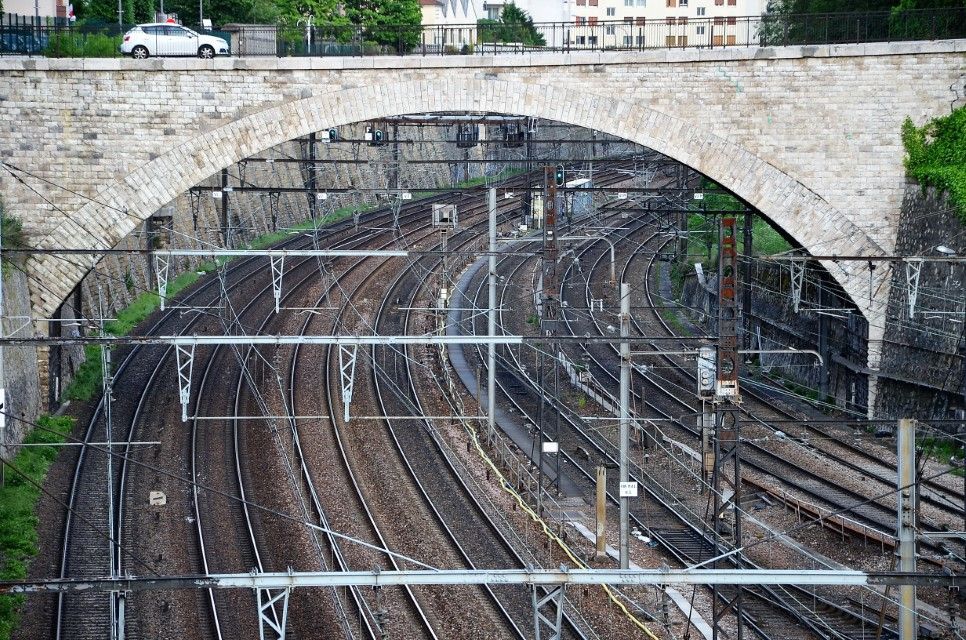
(936, 155)
(87, 380)
(673, 321)
(18, 502)
(703, 229)
(943, 449)
(13, 236)
(473, 182)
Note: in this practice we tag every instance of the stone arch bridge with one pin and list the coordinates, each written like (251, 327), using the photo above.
(807, 135)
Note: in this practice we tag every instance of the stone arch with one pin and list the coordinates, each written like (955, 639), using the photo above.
(127, 202)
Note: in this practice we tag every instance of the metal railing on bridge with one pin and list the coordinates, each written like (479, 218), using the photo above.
(488, 37)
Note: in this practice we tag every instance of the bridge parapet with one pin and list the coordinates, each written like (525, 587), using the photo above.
(807, 135)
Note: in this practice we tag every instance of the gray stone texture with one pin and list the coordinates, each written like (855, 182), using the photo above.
(924, 352)
(808, 136)
(19, 363)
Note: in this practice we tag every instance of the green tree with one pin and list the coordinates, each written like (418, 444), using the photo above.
(813, 21)
(514, 25)
(324, 12)
(219, 11)
(104, 10)
(936, 155)
(395, 23)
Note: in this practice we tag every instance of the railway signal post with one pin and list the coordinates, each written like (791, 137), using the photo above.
(726, 432)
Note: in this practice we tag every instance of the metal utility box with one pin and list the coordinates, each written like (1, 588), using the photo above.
(445, 215)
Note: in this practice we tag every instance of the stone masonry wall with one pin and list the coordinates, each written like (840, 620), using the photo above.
(19, 363)
(924, 355)
(808, 136)
(774, 324)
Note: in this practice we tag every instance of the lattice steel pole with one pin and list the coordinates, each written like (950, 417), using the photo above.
(491, 326)
(625, 424)
(726, 426)
(550, 302)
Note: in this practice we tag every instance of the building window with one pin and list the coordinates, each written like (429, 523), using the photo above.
(669, 21)
(719, 20)
(610, 30)
(593, 3)
(581, 40)
(581, 3)
(592, 40)
(611, 11)
(642, 3)
(580, 21)
(628, 20)
(639, 21)
(701, 11)
(640, 40)
(628, 3)
(699, 31)
(682, 41)
(732, 3)
(628, 41)
(682, 3)
(732, 20)
(669, 41)
(719, 3)
(592, 20)
(672, 3)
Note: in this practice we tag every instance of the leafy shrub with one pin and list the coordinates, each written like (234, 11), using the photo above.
(75, 44)
(18, 501)
(13, 236)
(936, 155)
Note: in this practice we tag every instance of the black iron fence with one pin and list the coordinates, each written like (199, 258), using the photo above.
(492, 37)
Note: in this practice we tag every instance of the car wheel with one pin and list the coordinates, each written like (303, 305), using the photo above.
(206, 51)
(139, 52)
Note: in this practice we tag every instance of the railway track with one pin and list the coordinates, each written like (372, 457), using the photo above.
(860, 620)
(86, 553)
(695, 545)
(684, 541)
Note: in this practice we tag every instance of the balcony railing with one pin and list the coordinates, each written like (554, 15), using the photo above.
(490, 38)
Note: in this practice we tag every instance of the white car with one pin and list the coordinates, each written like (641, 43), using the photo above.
(168, 39)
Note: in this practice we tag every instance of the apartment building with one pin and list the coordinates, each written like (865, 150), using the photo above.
(539, 10)
(450, 23)
(46, 9)
(662, 23)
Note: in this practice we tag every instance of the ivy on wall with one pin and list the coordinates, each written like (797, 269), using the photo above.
(936, 155)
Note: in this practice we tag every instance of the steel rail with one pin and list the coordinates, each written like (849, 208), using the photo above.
(412, 292)
(780, 600)
(203, 287)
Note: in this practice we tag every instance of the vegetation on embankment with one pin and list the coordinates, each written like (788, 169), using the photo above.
(936, 155)
(87, 380)
(19, 495)
(703, 228)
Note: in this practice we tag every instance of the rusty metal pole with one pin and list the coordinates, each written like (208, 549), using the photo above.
(907, 524)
